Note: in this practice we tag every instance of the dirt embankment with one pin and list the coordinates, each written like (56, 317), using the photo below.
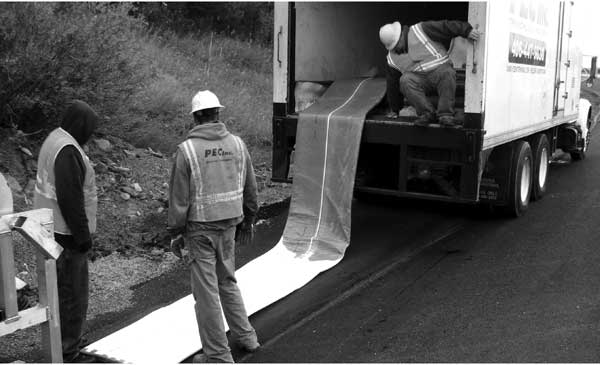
(133, 200)
(131, 245)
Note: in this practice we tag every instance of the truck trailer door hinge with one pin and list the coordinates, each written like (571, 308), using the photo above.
(565, 95)
(570, 33)
(568, 63)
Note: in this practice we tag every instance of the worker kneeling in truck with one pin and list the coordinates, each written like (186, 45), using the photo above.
(418, 62)
(213, 203)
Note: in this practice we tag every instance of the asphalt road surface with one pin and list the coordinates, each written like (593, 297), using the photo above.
(434, 282)
(427, 282)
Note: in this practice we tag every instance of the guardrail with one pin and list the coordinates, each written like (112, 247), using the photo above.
(38, 228)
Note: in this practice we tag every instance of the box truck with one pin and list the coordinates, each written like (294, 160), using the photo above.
(517, 97)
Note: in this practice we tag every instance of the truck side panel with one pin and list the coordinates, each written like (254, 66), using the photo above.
(280, 53)
(520, 67)
(475, 72)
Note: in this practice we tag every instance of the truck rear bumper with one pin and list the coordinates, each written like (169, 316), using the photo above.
(398, 158)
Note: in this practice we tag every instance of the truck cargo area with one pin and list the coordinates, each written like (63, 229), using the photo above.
(516, 100)
(336, 41)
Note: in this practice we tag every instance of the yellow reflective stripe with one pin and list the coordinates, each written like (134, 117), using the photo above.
(48, 195)
(190, 152)
(425, 41)
(199, 184)
(221, 197)
(242, 166)
(391, 62)
(433, 64)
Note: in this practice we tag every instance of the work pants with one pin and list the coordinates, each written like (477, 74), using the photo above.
(416, 85)
(212, 265)
(72, 280)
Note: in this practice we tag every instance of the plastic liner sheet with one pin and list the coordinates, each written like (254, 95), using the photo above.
(315, 237)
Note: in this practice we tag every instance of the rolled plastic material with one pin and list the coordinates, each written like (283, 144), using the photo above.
(315, 238)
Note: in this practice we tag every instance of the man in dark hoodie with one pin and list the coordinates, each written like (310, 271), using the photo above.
(66, 184)
(212, 204)
(418, 63)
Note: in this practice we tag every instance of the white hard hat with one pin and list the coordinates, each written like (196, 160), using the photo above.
(389, 34)
(205, 100)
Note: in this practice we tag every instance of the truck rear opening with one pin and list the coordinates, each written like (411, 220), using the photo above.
(336, 41)
(506, 94)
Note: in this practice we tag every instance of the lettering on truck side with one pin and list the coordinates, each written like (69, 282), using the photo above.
(527, 51)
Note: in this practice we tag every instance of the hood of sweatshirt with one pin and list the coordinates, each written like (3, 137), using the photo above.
(80, 120)
(403, 41)
(209, 131)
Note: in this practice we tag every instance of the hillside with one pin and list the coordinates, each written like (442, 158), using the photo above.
(141, 82)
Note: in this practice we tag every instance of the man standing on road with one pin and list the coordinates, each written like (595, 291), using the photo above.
(66, 183)
(213, 203)
(418, 62)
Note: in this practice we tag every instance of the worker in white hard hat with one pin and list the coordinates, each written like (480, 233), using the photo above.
(418, 63)
(213, 205)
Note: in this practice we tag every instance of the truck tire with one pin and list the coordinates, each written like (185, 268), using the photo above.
(520, 179)
(541, 158)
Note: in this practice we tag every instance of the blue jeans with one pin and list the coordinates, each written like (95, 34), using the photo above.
(442, 80)
(212, 267)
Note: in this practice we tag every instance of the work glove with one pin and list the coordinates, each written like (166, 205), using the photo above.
(177, 244)
(85, 246)
(244, 233)
(392, 114)
(474, 34)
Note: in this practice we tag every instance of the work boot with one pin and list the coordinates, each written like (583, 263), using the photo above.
(248, 345)
(447, 121)
(424, 120)
(392, 115)
(201, 358)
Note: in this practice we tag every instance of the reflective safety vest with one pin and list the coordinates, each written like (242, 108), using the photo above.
(45, 185)
(423, 54)
(6, 199)
(218, 173)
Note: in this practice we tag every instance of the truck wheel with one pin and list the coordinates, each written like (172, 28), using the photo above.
(520, 179)
(541, 154)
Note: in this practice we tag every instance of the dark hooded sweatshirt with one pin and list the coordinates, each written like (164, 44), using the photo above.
(79, 121)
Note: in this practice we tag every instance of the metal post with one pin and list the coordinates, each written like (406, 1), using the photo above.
(36, 226)
(8, 289)
(48, 293)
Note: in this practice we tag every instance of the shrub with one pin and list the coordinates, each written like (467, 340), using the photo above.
(239, 72)
(240, 20)
(140, 82)
(54, 52)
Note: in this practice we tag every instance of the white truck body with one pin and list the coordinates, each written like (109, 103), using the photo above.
(521, 80)
(523, 57)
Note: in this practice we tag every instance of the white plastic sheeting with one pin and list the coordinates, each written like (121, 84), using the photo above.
(315, 238)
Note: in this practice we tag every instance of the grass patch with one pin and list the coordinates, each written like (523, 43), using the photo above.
(238, 72)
